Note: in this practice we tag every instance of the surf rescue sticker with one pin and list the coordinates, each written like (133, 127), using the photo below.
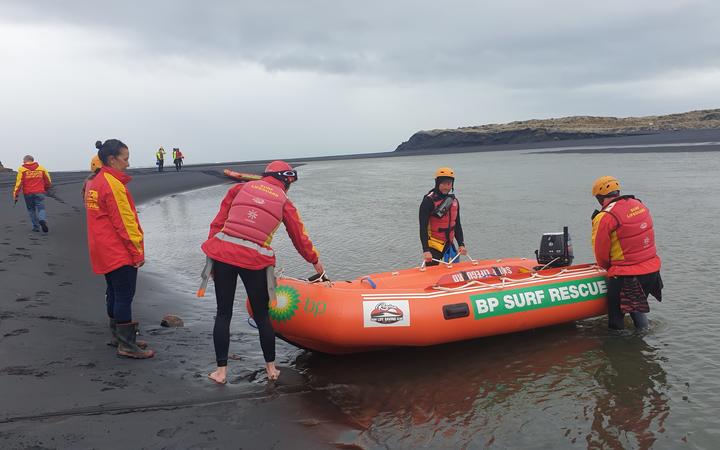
(536, 297)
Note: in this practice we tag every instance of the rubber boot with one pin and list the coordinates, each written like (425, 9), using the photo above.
(114, 339)
(127, 342)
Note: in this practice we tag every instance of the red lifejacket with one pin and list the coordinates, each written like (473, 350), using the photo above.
(442, 229)
(632, 237)
(256, 212)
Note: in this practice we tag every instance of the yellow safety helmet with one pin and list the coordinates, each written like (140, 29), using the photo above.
(445, 172)
(95, 163)
(605, 185)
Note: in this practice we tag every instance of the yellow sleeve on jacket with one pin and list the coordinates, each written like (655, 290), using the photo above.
(130, 227)
(18, 181)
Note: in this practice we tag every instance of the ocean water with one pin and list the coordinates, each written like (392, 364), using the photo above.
(572, 386)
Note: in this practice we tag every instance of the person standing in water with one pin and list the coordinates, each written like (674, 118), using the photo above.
(440, 220)
(623, 241)
(116, 244)
(239, 245)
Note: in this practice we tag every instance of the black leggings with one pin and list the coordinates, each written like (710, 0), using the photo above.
(255, 281)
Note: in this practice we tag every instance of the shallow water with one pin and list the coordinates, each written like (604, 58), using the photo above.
(575, 385)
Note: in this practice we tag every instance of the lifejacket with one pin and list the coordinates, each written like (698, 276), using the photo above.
(441, 230)
(256, 212)
(160, 155)
(632, 242)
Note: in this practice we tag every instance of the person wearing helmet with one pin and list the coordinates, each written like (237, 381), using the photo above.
(239, 245)
(440, 220)
(623, 241)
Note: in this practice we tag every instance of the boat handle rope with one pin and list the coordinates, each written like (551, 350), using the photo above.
(511, 281)
(449, 264)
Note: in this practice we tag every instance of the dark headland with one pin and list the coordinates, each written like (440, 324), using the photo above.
(567, 132)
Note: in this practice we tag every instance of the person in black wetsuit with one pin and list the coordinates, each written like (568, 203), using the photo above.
(439, 219)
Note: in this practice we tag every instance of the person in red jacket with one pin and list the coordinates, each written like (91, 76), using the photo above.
(239, 245)
(116, 243)
(34, 181)
(623, 241)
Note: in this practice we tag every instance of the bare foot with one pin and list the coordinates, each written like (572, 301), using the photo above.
(219, 376)
(272, 372)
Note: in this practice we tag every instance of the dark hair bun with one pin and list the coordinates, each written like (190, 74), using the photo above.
(98, 145)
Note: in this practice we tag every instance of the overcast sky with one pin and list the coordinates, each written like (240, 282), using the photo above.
(238, 80)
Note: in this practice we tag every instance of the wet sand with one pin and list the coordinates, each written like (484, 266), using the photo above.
(62, 387)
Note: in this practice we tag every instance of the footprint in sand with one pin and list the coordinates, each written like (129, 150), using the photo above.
(22, 299)
(49, 273)
(65, 283)
(17, 332)
(167, 432)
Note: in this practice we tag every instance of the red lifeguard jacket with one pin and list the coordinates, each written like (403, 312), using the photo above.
(256, 212)
(625, 226)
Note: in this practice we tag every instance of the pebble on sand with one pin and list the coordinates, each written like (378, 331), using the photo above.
(172, 321)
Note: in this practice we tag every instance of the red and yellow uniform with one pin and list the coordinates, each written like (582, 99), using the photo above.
(623, 238)
(32, 178)
(115, 238)
(249, 215)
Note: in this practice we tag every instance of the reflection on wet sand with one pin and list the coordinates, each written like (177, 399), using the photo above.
(518, 390)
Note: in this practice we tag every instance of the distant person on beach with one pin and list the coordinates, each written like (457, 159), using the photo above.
(115, 240)
(178, 159)
(34, 181)
(160, 158)
(440, 220)
(239, 245)
(623, 240)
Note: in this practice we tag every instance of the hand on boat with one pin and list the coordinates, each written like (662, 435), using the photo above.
(319, 268)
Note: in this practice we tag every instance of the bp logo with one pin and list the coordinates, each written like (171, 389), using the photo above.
(285, 304)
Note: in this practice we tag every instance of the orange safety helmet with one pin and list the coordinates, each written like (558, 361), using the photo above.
(445, 172)
(95, 163)
(605, 185)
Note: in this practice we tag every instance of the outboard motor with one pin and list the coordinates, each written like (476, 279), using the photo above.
(555, 250)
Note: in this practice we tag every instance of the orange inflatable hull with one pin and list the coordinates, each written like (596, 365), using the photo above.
(434, 305)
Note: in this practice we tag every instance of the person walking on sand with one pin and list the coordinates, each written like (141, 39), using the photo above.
(160, 158)
(239, 245)
(439, 219)
(34, 181)
(623, 241)
(116, 244)
(178, 159)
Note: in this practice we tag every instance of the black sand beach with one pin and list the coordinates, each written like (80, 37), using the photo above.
(62, 387)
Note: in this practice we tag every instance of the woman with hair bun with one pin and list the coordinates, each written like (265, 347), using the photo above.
(115, 240)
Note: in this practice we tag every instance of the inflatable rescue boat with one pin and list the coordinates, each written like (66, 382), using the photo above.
(434, 305)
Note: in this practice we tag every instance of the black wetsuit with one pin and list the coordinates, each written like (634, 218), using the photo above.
(426, 208)
(255, 281)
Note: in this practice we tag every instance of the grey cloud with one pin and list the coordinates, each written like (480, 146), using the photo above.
(531, 46)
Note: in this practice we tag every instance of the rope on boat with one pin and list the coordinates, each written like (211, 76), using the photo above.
(505, 281)
(447, 263)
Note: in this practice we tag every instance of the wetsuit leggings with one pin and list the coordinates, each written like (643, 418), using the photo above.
(255, 281)
(120, 292)
(615, 314)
